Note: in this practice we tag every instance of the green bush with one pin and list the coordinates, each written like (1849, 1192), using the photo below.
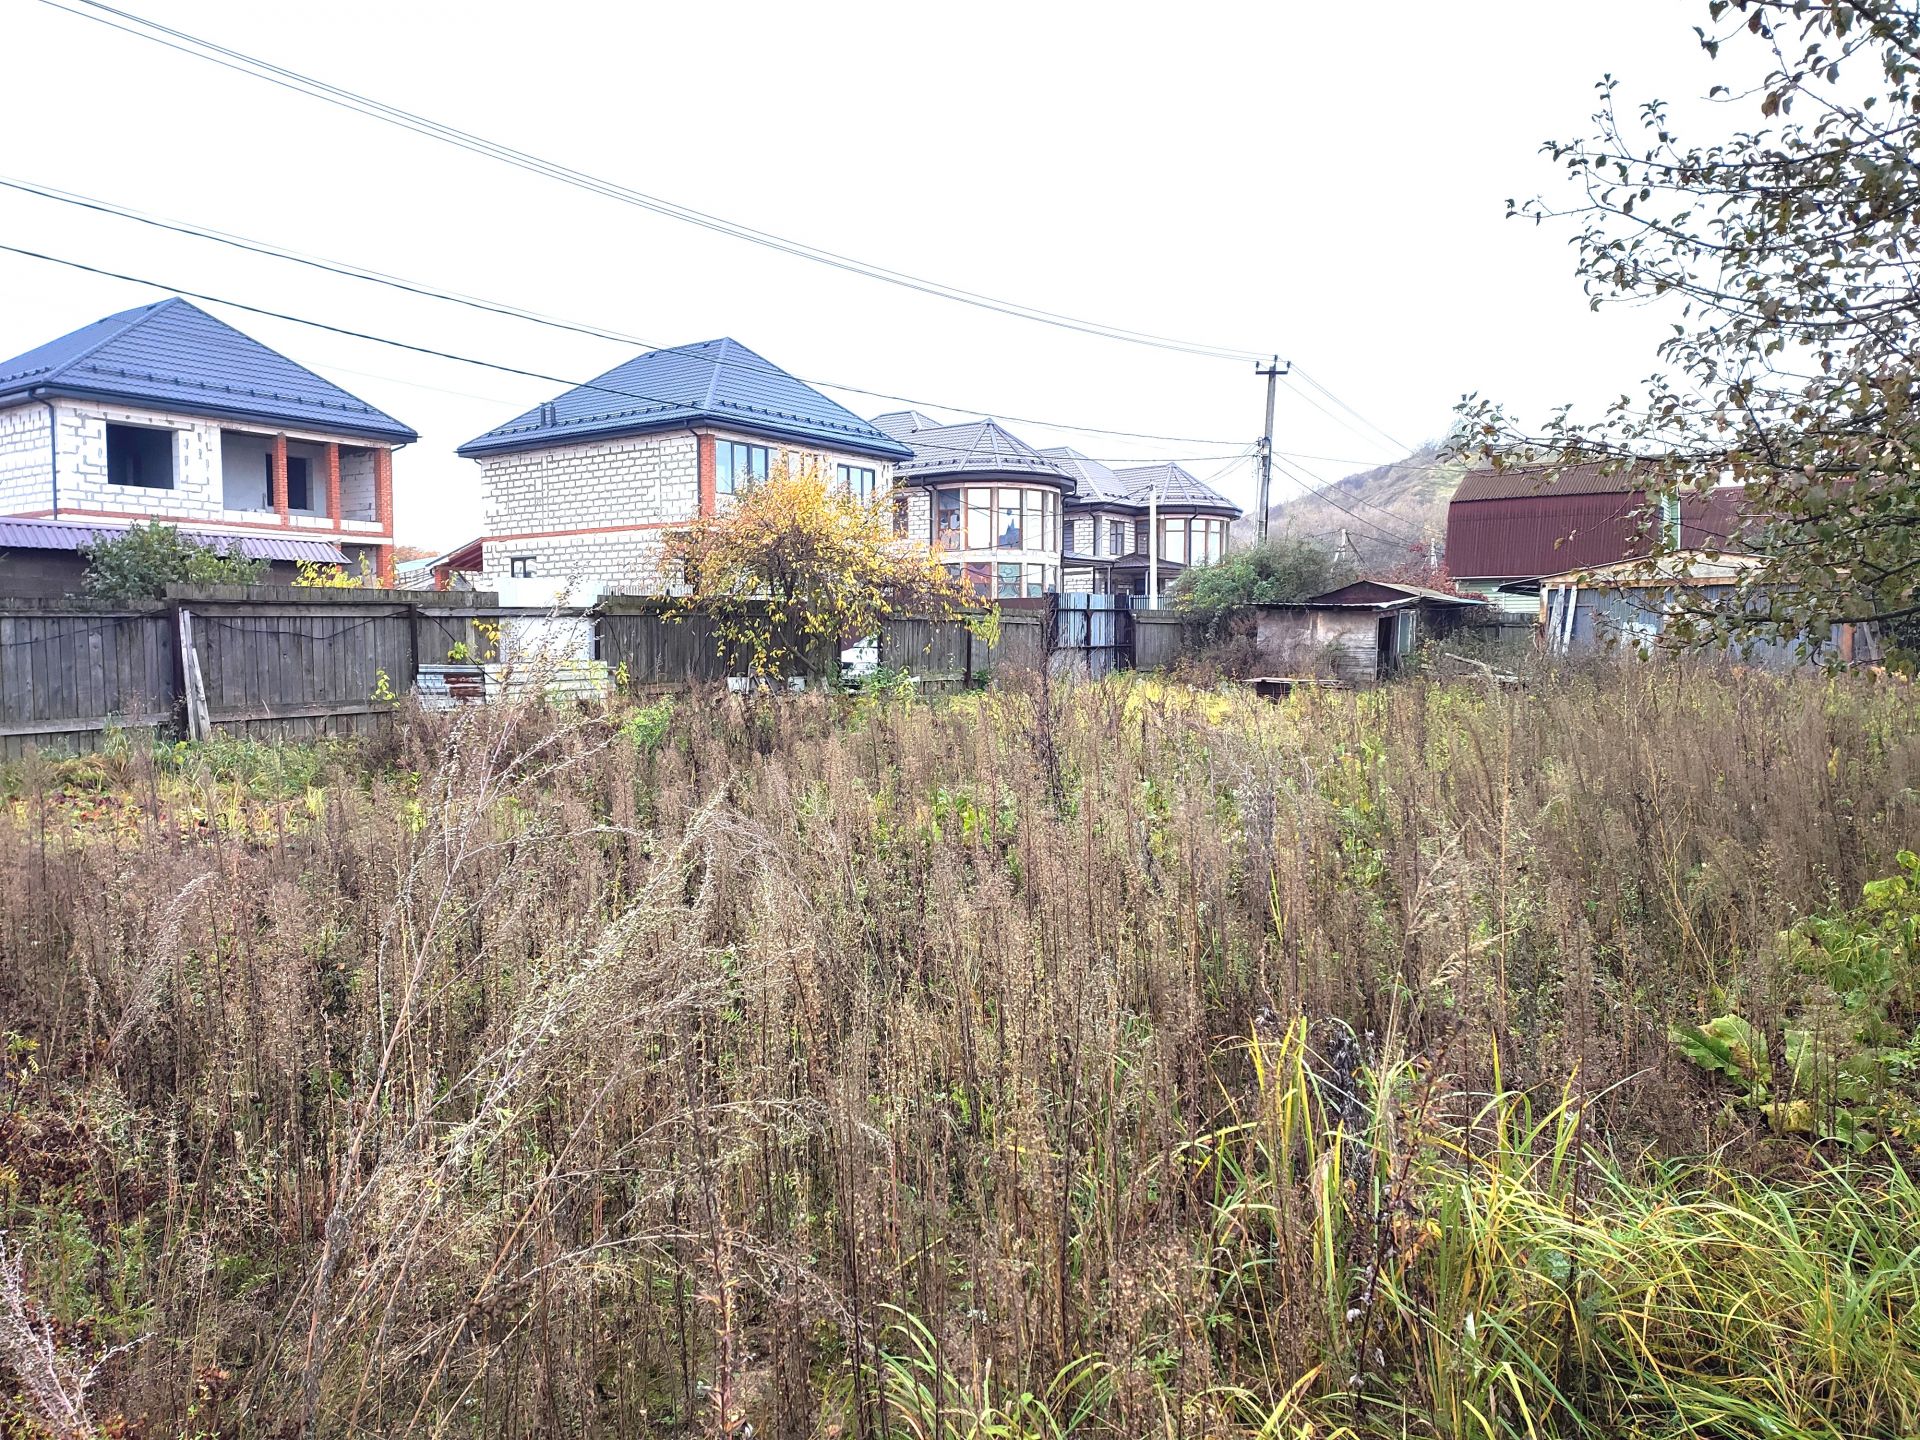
(143, 560)
(1275, 573)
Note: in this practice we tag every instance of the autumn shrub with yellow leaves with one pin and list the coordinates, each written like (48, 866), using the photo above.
(794, 566)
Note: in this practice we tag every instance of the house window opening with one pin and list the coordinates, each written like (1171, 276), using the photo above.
(139, 455)
(520, 567)
(948, 531)
(857, 481)
(737, 465)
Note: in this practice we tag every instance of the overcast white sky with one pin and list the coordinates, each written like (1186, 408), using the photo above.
(1322, 181)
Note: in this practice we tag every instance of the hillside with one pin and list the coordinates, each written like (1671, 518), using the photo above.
(1386, 511)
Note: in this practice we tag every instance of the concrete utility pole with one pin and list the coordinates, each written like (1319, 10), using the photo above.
(1273, 370)
(1153, 545)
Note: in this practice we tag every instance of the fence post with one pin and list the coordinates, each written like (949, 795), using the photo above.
(193, 685)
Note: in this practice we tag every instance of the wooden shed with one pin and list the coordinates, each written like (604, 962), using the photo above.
(1358, 634)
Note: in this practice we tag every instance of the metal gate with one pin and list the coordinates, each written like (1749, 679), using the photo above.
(1089, 634)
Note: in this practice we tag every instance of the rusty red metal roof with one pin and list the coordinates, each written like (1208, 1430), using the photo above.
(1502, 530)
(1591, 479)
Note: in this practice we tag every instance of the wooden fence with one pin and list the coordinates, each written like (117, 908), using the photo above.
(275, 662)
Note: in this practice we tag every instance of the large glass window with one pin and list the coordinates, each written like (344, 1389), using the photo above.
(1036, 522)
(1173, 540)
(1119, 537)
(1037, 579)
(979, 575)
(857, 481)
(1009, 525)
(737, 465)
(949, 526)
(979, 519)
(1010, 580)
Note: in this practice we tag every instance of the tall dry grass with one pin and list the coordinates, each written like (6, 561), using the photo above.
(1109, 1060)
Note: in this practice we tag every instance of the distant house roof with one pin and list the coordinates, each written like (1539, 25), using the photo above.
(1522, 525)
(1590, 479)
(977, 447)
(1389, 594)
(1093, 483)
(174, 356)
(1171, 485)
(76, 535)
(714, 382)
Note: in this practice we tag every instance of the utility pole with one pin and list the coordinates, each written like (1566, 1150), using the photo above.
(1273, 370)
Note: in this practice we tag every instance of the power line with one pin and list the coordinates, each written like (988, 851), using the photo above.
(1402, 537)
(242, 63)
(428, 350)
(353, 271)
(1398, 444)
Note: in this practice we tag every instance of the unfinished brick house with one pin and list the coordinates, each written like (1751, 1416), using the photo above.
(581, 490)
(164, 413)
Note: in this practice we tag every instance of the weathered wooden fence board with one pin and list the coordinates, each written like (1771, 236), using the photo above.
(270, 662)
(67, 676)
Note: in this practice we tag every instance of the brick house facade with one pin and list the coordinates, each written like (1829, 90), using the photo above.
(165, 414)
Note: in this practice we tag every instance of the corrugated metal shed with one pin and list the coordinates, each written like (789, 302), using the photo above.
(175, 356)
(74, 535)
(715, 382)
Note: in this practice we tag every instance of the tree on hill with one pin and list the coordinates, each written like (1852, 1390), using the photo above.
(141, 561)
(1790, 251)
(796, 565)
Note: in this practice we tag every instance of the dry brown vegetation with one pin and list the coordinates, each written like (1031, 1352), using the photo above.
(1110, 1061)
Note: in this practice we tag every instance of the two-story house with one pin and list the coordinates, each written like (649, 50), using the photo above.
(163, 413)
(581, 490)
(1109, 550)
(988, 502)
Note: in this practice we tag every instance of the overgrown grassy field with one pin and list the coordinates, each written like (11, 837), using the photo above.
(1114, 1061)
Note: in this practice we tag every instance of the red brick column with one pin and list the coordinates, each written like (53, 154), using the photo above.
(278, 484)
(706, 475)
(333, 482)
(383, 509)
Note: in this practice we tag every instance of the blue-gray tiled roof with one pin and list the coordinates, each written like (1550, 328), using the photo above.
(977, 447)
(1173, 486)
(1093, 483)
(174, 356)
(716, 382)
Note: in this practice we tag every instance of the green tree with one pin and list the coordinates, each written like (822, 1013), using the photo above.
(1281, 570)
(1788, 251)
(141, 561)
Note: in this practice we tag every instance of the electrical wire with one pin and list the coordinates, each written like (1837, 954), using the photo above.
(352, 271)
(202, 49)
(1399, 536)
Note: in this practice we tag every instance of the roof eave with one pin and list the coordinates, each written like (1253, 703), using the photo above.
(549, 438)
(392, 431)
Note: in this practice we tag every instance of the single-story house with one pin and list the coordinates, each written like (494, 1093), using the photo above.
(1507, 530)
(1359, 633)
(1630, 604)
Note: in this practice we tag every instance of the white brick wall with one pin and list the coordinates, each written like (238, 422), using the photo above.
(198, 493)
(24, 481)
(650, 481)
